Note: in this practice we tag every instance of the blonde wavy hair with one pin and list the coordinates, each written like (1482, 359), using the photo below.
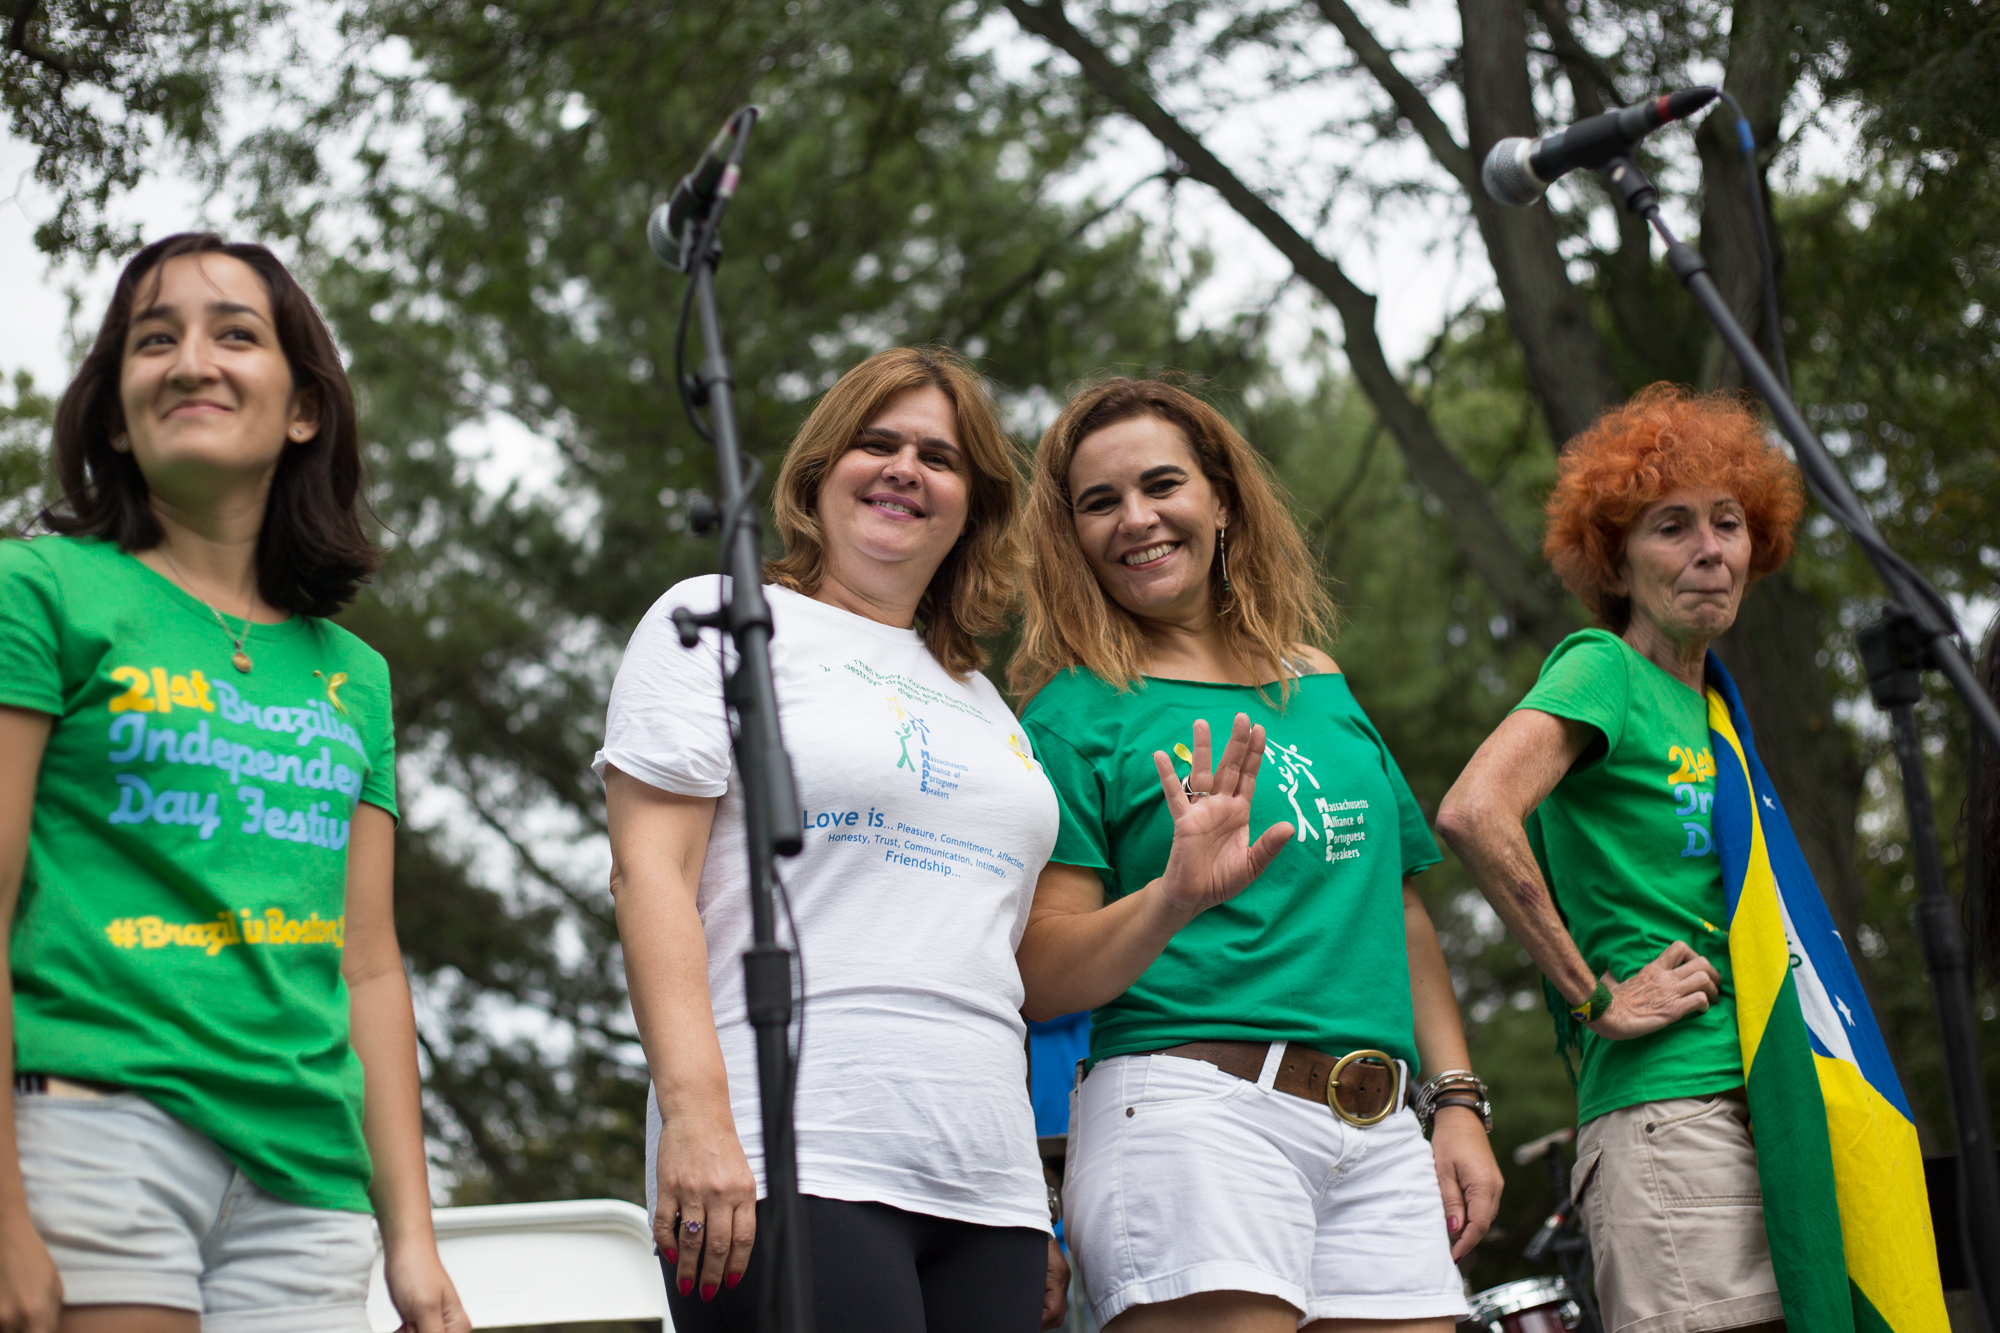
(1275, 598)
(973, 588)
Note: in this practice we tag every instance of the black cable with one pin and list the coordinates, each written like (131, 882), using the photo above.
(682, 386)
(799, 958)
(1746, 139)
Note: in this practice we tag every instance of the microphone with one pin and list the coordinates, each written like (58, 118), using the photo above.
(1518, 170)
(713, 181)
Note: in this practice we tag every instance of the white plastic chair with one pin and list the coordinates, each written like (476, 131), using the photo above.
(543, 1263)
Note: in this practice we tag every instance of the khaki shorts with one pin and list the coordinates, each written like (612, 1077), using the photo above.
(1669, 1196)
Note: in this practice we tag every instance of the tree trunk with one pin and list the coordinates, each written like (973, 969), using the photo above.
(1760, 73)
(1565, 356)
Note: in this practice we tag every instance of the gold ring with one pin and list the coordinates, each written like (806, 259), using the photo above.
(1333, 1088)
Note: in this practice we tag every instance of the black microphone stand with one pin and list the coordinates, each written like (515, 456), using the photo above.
(771, 819)
(1917, 632)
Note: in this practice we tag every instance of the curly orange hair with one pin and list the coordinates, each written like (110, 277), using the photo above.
(1666, 438)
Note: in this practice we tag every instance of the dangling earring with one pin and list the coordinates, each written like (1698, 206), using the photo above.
(1222, 553)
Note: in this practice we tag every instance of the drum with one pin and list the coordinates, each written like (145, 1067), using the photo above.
(1532, 1305)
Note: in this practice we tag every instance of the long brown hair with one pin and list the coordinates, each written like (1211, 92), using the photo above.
(312, 551)
(1275, 598)
(972, 589)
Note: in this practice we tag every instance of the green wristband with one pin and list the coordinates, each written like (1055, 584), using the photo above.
(1593, 1008)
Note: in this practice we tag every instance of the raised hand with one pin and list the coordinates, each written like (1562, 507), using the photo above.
(1213, 858)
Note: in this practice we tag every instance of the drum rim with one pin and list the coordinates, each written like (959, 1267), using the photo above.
(1497, 1301)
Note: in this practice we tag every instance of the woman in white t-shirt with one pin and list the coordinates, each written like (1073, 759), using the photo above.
(927, 821)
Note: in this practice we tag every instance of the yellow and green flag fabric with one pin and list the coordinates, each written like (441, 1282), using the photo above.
(1837, 1155)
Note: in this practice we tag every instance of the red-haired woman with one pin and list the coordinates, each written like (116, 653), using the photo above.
(1585, 820)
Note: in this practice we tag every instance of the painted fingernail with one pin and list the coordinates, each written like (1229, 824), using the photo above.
(687, 1285)
(1453, 1223)
(708, 1291)
(673, 1256)
(731, 1280)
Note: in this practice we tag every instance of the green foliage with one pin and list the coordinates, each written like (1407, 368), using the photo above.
(110, 93)
(1921, 74)
(24, 428)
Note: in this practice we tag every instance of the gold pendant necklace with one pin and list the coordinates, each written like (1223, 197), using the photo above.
(240, 659)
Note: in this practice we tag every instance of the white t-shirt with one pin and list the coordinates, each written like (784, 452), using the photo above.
(927, 821)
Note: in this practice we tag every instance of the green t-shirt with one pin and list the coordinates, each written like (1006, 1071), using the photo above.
(1624, 840)
(1312, 951)
(182, 910)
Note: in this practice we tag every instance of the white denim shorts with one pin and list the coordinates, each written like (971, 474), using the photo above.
(138, 1209)
(1184, 1179)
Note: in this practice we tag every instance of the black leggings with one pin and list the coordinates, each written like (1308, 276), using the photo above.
(877, 1269)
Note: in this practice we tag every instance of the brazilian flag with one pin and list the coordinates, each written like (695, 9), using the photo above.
(1837, 1155)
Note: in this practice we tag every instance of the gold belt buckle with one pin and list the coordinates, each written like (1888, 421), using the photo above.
(1383, 1058)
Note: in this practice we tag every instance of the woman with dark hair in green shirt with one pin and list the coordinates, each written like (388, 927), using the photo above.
(1242, 1150)
(213, 1058)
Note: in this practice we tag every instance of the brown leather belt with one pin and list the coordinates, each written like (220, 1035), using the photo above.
(1366, 1086)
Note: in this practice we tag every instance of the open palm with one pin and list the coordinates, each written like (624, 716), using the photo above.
(1213, 858)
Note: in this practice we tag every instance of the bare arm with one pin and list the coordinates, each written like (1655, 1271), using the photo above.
(1481, 817)
(383, 1030)
(1511, 774)
(1078, 954)
(1468, 1177)
(30, 1290)
(659, 840)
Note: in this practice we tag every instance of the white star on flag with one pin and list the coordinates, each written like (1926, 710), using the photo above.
(1845, 1012)
(1768, 801)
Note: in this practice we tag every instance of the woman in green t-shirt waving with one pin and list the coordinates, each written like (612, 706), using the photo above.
(1586, 820)
(213, 1059)
(1242, 1149)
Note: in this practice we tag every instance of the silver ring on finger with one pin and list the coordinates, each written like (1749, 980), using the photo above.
(1189, 791)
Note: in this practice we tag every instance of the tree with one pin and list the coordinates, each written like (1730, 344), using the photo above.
(158, 62)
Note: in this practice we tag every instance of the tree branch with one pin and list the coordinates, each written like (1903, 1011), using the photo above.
(1590, 85)
(17, 39)
(1567, 361)
(1482, 538)
(1411, 104)
(1566, 358)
